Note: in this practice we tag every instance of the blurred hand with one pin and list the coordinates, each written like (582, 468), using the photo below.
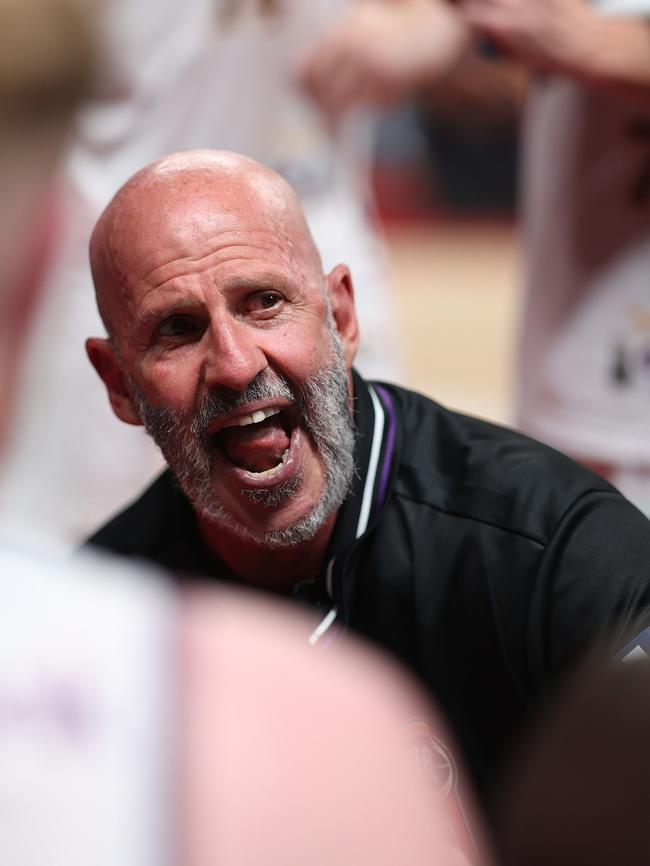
(551, 34)
(380, 50)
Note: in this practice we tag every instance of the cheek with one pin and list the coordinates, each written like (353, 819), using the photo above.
(172, 382)
(304, 351)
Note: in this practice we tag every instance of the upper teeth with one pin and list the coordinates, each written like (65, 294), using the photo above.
(254, 418)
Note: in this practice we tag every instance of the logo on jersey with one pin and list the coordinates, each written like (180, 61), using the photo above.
(50, 703)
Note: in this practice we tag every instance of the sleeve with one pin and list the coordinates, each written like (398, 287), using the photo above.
(593, 587)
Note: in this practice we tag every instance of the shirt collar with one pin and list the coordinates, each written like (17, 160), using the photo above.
(375, 429)
(375, 433)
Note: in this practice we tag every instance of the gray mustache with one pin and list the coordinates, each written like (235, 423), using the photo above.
(223, 400)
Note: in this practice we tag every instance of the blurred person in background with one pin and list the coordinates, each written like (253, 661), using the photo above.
(204, 73)
(141, 728)
(584, 354)
(83, 681)
(579, 788)
(382, 52)
(42, 76)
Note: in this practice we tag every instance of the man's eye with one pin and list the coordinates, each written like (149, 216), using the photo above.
(180, 327)
(270, 299)
(262, 302)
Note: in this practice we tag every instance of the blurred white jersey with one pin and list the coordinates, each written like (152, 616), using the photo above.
(203, 73)
(585, 344)
(85, 714)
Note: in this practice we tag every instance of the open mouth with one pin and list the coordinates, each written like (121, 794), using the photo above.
(258, 443)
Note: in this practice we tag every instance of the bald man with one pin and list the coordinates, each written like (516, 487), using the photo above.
(139, 726)
(482, 559)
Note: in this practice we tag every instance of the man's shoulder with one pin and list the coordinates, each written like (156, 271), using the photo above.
(485, 472)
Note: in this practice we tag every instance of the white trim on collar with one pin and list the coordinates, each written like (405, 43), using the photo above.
(366, 503)
(373, 463)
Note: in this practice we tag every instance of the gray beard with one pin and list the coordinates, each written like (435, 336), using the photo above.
(323, 404)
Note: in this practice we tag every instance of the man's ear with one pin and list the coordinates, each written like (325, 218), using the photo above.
(341, 295)
(104, 360)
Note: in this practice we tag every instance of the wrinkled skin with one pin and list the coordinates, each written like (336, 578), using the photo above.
(207, 278)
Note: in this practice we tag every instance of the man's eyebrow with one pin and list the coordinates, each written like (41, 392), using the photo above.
(258, 283)
(162, 310)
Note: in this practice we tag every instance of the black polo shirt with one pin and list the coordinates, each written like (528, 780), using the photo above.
(484, 560)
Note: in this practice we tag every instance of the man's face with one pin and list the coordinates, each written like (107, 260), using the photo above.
(320, 406)
(234, 366)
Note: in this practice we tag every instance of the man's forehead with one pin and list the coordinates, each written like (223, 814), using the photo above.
(183, 219)
(157, 245)
(174, 183)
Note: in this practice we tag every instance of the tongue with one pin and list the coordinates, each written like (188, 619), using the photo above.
(256, 447)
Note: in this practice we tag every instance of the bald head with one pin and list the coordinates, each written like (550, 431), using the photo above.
(191, 199)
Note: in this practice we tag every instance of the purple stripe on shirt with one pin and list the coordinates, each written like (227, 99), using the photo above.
(387, 400)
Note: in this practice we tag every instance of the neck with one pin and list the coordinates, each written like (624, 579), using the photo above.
(276, 569)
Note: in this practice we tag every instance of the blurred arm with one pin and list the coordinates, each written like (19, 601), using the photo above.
(570, 37)
(380, 50)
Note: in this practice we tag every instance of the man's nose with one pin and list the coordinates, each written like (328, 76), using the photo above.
(234, 357)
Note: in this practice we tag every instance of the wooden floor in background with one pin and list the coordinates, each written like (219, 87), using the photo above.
(457, 287)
